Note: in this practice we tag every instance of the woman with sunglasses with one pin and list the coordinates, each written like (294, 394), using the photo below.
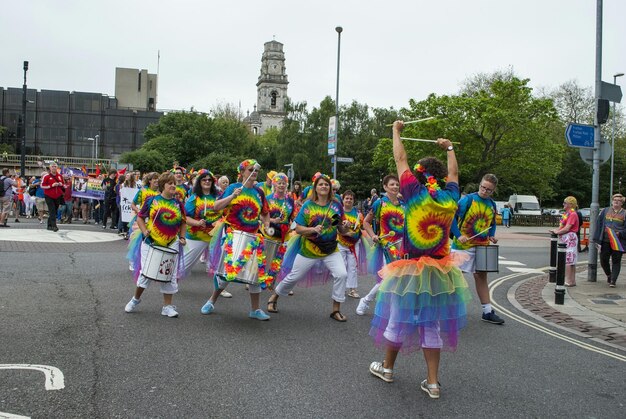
(318, 222)
(203, 210)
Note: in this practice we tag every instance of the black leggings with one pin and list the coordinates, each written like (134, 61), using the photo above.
(53, 206)
(607, 253)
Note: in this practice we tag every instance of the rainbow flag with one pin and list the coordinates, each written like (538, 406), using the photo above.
(613, 240)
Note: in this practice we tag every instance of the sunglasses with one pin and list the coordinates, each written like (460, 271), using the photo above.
(207, 180)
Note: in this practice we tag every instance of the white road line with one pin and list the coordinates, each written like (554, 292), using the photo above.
(495, 284)
(4, 415)
(511, 262)
(54, 376)
(526, 270)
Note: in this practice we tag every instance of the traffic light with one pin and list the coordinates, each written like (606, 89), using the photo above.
(603, 111)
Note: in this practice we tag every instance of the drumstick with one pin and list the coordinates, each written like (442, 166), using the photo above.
(478, 234)
(415, 121)
(256, 167)
(390, 234)
(424, 140)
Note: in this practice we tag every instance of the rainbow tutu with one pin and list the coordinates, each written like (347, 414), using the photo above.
(421, 303)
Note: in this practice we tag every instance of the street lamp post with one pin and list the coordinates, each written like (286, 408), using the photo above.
(339, 29)
(97, 138)
(615, 76)
(23, 126)
(93, 146)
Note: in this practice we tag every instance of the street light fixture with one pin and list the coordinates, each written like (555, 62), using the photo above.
(339, 29)
(23, 125)
(93, 146)
(615, 76)
(97, 138)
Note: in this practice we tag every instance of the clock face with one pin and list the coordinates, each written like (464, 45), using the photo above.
(274, 68)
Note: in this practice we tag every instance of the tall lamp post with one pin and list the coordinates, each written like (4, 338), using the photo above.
(615, 76)
(339, 29)
(97, 138)
(23, 126)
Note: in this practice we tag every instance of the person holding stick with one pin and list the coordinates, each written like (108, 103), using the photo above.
(165, 226)
(475, 225)
(385, 225)
(318, 222)
(421, 303)
(246, 206)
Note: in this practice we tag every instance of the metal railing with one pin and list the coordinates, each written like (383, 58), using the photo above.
(37, 161)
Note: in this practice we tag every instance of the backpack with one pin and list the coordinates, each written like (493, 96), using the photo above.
(2, 185)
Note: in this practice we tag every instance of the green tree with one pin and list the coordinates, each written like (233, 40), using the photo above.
(502, 129)
(146, 160)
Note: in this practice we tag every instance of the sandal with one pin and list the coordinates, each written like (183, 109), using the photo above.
(272, 306)
(336, 315)
(433, 390)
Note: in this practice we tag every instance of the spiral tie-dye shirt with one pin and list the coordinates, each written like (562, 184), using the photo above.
(244, 212)
(475, 219)
(311, 215)
(201, 208)
(165, 217)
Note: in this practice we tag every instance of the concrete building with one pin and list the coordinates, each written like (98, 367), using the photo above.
(61, 123)
(269, 110)
(135, 89)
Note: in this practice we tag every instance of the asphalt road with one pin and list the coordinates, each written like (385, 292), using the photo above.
(63, 306)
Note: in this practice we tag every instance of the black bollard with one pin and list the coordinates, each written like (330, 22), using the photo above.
(553, 251)
(559, 289)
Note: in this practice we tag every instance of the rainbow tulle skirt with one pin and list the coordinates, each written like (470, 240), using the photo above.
(421, 303)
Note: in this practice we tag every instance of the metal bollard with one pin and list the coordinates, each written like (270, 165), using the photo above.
(553, 251)
(559, 289)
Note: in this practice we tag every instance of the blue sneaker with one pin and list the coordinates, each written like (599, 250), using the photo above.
(258, 314)
(492, 318)
(207, 308)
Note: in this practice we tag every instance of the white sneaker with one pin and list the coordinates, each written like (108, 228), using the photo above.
(169, 311)
(362, 307)
(131, 307)
(226, 294)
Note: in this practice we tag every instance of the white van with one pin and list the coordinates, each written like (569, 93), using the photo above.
(525, 204)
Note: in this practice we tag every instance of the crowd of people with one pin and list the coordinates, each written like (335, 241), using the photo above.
(417, 239)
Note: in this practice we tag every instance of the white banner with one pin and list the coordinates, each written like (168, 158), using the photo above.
(126, 198)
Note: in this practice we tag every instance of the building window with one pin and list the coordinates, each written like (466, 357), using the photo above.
(274, 95)
(255, 130)
(139, 82)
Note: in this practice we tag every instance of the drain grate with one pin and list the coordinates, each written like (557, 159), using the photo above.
(603, 302)
(612, 296)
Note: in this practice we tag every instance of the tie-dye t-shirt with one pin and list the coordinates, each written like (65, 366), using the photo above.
(311, 215)
(427, 219)
(475, 217)
(243, 212)
(356, 221)
(307, 193)
(388, 218)
(281, 208)
(143, 194)
(181, 192)
(201, 208)
(265, 187)
(569, 217)
(164, 218)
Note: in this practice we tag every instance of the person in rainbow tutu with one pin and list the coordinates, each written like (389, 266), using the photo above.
(317, 223)
(421, 303)
(203, 210)
(281, 207)
(384, 223)
(246, 206)
(165, 226)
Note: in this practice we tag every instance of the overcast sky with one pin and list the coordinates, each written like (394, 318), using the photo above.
(391, 50)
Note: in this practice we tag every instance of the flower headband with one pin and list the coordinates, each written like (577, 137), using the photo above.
(335, 184)
(202, 172)
(280, 176)
(431, 182)
(181, 168)
(315, 176)
(245, 164)
(322, 176)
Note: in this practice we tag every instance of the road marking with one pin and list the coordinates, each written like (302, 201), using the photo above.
(495, 284)
(526, 270)
(511, 262)
(4, 415)
(54, 376)
(61, 236)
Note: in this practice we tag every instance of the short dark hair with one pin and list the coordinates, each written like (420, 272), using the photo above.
(491, 178)
(164, 179)
(389, 178)
(5, 171)
(348, 193)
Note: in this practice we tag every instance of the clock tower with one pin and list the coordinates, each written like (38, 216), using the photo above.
(271, 87)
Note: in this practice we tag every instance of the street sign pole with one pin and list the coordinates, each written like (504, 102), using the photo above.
(592, 263)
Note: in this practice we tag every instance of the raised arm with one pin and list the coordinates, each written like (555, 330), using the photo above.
(399, 153)
(453, 166)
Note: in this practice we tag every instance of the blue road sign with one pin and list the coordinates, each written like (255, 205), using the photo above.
(578, 135)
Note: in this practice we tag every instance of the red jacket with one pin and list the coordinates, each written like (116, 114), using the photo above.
(56, 191)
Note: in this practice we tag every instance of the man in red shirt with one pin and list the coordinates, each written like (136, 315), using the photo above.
(52, 185)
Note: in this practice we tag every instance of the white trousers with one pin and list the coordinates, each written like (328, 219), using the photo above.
(350, 261)
(302, 265)
(193, 250)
